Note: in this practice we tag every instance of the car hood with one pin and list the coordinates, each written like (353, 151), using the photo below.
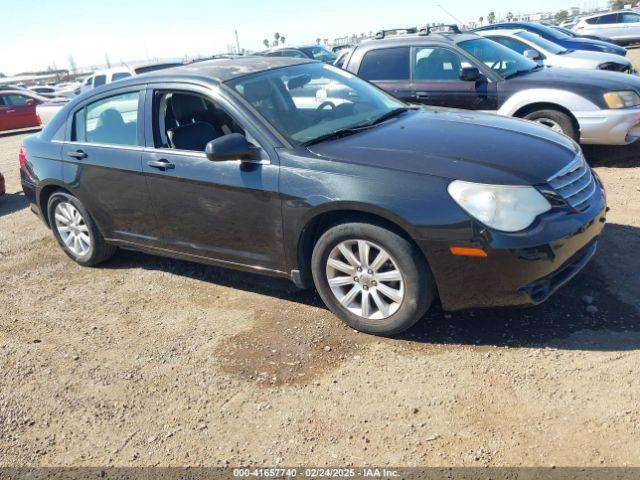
(457, 144)
(587, 57)
(600, 45)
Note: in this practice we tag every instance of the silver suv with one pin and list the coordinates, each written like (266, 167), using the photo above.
(621, 27)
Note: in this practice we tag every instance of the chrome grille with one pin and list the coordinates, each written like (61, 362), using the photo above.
(575, 183)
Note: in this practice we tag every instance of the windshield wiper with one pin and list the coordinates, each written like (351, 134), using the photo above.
(343, 132)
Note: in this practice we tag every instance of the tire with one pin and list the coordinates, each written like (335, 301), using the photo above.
(382, 315)
(69, 219)
(556, 120)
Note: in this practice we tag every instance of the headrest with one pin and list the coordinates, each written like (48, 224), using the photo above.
(185, 107)
(110, 117)
(257, 91)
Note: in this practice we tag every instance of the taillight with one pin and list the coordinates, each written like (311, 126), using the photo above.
(22, 156)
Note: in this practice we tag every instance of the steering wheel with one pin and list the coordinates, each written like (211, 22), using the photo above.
(325, 104)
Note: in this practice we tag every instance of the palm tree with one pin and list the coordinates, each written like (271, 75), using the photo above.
(266, 42)
(481, 19)
(491, 18)
(282, 39)
(317, 41)
(509, 17)
(276, 37)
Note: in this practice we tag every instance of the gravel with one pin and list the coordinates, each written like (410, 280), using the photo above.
(151, 361)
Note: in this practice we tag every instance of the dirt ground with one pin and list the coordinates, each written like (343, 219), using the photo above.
(149, 361)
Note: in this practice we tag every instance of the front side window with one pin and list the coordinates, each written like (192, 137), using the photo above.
(113, 120)
(604, 19)
(99, 80)
(386, 64)
(435, 63)
(188, 121)
(14, 100)
(499, 58)
(306, 102)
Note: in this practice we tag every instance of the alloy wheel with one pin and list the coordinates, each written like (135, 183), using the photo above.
(549, 123)
(365, 279)
(72, 228)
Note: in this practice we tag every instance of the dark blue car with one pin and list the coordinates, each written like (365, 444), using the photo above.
(555, 36)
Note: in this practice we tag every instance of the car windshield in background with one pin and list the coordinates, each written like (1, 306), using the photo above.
(499, 58)
(542, 43)
(552, 32)
(319, 53)
(310, 101)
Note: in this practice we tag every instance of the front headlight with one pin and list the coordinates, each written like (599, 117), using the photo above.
(502, 207)
(623, 99)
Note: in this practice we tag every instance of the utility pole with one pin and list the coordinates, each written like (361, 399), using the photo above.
(237, 43)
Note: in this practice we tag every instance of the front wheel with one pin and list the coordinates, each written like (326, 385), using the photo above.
(555, 120)
(373, 279)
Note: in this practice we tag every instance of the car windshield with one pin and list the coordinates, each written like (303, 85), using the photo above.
(542, 43)
(552, 32)
(499, 58)
(310, 101)
(319, 53)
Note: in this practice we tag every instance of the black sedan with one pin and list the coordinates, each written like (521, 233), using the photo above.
(297, 169)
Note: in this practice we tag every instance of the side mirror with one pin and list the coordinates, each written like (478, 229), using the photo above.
(532, 54)
(31, 102)
(230, 147)
(470, 74)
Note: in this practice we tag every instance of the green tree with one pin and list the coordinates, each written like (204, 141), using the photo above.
(266, 42)
(276, 39)
(491, 18)
(618, 4)
(282, 39)
(318, 41)
(509, 17)
(480, 20)
(561, 16)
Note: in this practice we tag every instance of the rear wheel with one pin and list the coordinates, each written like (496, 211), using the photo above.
(555, 120)
(76, 232)
(372, 278)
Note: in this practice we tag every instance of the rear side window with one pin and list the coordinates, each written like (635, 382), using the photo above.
(603, 19)
(628, 17)
(113, 120)
(99, 80)
(386, 64)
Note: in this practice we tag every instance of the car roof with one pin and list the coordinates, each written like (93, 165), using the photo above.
(510, 31)
(219, 70)
(405, 40)
(625, 10)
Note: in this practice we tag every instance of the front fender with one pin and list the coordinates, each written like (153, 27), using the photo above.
(568, 100)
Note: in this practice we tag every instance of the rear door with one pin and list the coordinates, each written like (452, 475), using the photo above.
(4, 118)
(436, 80)
(629, 23)
(103, 162)
(390, 69)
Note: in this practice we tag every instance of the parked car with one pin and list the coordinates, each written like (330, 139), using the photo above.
(45, 108)
(550, 54)
(621, 27)
(44, 91)
(562, 39)
(471, 72)
(315, 52)
(382, 206)
(17, 111)
(103, 77)
(567, 31)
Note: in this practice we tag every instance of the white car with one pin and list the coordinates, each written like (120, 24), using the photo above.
(102, 77)
(550, 54)
(621, 27)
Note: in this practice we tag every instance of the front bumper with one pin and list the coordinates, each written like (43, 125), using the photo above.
(609, 127)
(519, 269)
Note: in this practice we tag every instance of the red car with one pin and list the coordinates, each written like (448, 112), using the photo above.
(17, 110)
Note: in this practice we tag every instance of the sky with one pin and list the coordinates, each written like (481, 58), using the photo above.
(40, 33)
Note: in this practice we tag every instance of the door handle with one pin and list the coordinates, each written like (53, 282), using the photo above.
(161, 164)
(423, 94)
(79, 154)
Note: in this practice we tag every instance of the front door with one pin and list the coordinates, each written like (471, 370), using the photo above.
(228, 211)
(436, 81)
(103, 163)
